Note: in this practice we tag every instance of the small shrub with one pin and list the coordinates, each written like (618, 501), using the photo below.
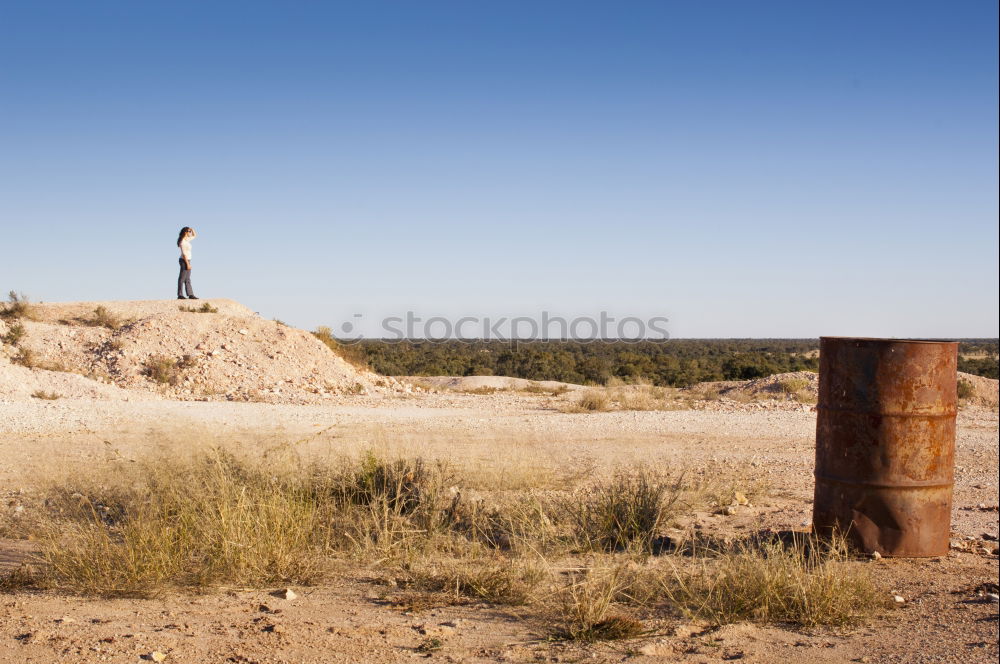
(104, 318)
(966, 390)
(17, 306)
(626, 513)
(47, 396)
(15, 334)
(161, 369)
(430, 645)
(592, 401)
(205, 308)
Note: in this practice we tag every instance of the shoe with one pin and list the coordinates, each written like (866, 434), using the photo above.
(192, 297)
(181, 297)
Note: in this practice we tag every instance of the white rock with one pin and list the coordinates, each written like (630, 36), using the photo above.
(898, 599)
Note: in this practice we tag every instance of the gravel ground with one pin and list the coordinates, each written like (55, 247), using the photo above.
(944, 618)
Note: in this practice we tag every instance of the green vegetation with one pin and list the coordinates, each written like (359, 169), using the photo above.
(671, 363)
(675, 363)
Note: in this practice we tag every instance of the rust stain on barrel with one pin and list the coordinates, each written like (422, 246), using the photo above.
(885, 443)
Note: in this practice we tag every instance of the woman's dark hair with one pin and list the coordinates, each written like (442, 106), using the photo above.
(183, 233)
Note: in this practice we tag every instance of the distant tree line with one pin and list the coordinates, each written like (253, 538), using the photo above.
(980, 357)
(674, 362)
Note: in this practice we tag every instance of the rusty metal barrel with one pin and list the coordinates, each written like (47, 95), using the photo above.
(885, 443)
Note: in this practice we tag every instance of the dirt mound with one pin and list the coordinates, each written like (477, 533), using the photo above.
(805, 385)
(984, 390)
(781, 385)
(223, 352)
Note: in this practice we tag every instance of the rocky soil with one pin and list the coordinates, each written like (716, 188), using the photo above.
(230, 354)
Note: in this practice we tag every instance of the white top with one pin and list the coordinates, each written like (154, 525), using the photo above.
(186, 248)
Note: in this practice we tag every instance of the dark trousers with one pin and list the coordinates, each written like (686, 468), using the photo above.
(184, 280)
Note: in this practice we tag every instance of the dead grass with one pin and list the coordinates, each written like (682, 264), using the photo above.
(102, 317)
(46, 396)
(808, 582)
(627, 512)
(31, 360)
(577, 557)
(592, 401)
(965, 389)
(585, 608)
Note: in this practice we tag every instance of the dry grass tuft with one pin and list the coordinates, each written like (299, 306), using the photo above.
(30, 359)
(46, 396)
(104, 318)
(592, 401)
(806, 583)
(626, 513)
(585, 608)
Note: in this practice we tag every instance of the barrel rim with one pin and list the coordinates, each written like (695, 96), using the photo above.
(893, 340)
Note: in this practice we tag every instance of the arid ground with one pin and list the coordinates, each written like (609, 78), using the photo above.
(510, 439)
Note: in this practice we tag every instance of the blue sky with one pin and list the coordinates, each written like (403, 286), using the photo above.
(746, 169)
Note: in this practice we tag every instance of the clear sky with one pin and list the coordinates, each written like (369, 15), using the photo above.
(746, 169)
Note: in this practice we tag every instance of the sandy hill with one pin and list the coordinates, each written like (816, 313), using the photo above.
(156, 348)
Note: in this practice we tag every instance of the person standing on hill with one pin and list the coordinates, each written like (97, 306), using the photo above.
(184, 280)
